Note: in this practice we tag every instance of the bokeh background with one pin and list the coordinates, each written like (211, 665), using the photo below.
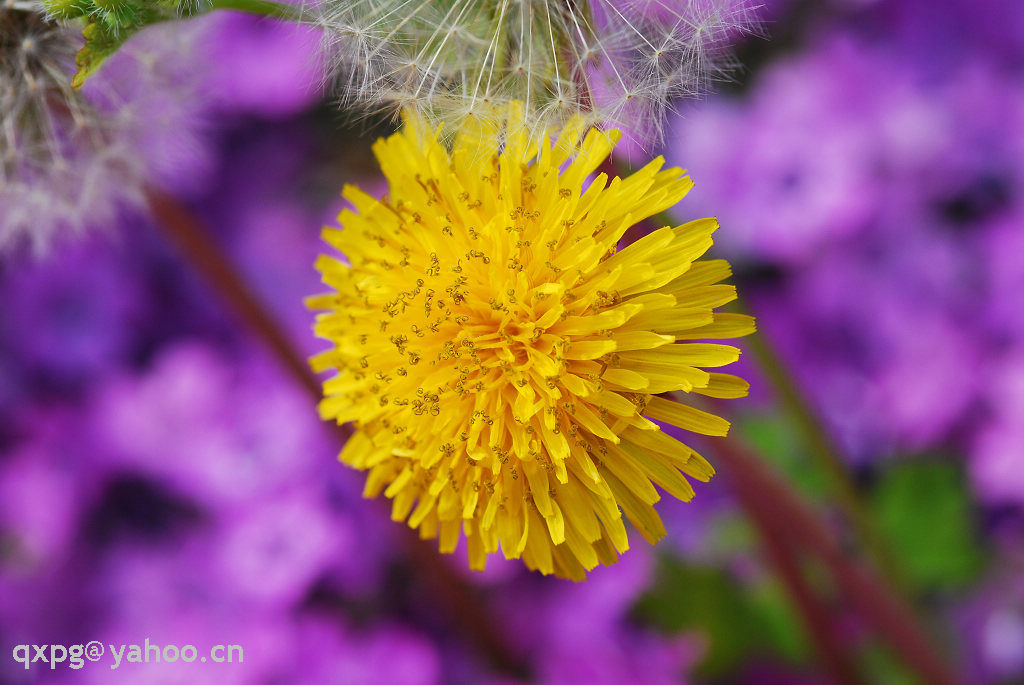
(162, 476)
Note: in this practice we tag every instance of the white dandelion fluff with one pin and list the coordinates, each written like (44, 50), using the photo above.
(620, 63)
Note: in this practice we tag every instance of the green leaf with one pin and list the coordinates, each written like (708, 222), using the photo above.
(788, 635)
(736, 621)
(110, 25)
(101, 42)
(924, 508)
(881, 665)
(112, 22)
(775, 437)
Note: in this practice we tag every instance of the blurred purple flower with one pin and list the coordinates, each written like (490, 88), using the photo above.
(216, 432)
(264, 66)
(858, 207)
(392, 654)
(891, 368)
(581, 632)
(956, 30)
(995, 465)
(876, 145)
(47, 486)
(73, 318)
(780, 192)
(1003, 246)
(40, 506)
(239, 439)
(991, 625)
(273, 553)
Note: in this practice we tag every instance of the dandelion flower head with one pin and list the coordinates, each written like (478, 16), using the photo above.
(502, 362)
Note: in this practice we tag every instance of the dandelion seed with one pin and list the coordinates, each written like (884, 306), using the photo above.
(500, 359)
(612, 62)
(71, 160)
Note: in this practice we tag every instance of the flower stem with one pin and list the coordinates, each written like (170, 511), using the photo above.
(883, 609)
(891, 617)
(783, 556)
(207, 258)
(825, 454)
(823, 450)
(465, 605)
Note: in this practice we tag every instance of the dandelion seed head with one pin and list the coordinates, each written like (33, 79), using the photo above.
(502, 360)
(619, 64)
(74, 160)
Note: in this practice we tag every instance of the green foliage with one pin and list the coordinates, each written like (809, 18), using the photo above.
(100, 43)
(924, 508)
(775, 609)
(774, 436)
(881, 665)
(67, 9)
(736, 621)
(109, 23)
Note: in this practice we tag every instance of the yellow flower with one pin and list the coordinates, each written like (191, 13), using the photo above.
(501, 361)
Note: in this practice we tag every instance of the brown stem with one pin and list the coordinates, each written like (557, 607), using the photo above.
(465, 606)
(822, 448)
(207, 257)
(781, 554)
(889, 616)
(783, 557)
(826, 455)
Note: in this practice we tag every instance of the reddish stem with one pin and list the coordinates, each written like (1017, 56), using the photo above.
(207, 257)
(888, 614)
(464, 605)
(783, 557)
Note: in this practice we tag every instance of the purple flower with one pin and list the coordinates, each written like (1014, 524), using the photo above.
(779, 192)
(991, 624)
(580, 632)
(273, 553)
(264, 66)
(1003, 246)
(216, 432)
(330, 652)
(996, 454)
(879, 366)
(69, 319)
